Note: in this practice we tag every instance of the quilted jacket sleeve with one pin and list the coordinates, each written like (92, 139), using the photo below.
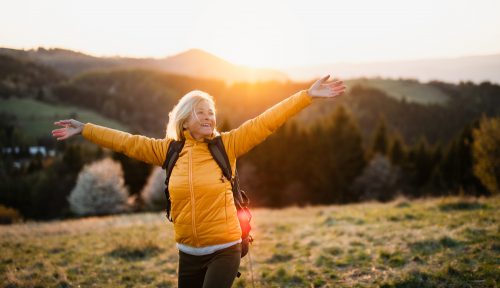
(240, 140)
(149, 150)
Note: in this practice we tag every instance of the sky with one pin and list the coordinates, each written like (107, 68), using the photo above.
(258, 33)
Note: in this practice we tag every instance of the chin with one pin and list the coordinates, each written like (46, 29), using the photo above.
(207, 134)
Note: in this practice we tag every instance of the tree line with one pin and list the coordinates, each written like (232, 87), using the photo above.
(328, 163)
(365, 145)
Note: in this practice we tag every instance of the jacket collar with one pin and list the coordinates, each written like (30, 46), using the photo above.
(189, 137)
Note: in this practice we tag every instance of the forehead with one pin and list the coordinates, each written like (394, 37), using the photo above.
(204, 105)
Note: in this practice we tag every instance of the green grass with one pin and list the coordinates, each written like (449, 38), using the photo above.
(413, 91)
(36, 118)
(448, 242)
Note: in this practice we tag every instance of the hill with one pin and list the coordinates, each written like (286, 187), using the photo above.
(454, 70)
(436, 110)
(447, 242)
(409, 90)
(201, 64)
(194, 63)
(36, 118)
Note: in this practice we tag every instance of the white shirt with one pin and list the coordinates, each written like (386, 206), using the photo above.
(198, 251)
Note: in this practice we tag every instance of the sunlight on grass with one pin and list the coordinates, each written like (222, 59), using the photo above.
(425, 243)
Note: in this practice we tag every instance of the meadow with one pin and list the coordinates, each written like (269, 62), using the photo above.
(441, 242)
(36, 118)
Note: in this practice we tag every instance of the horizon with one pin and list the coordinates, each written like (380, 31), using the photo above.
(265, 34)
(35, 48)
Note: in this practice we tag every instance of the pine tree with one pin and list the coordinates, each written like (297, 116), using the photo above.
(342, 157)
(456, 166)
(423, 163)
(380, 142)
(397, 151)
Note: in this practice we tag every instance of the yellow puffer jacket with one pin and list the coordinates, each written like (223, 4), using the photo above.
(203, 208)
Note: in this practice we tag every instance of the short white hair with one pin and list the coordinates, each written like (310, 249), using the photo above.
(181, 112)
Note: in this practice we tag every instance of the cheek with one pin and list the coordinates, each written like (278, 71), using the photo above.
(188, 123)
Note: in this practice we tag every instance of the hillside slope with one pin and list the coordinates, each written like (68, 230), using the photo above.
(449, 242)
(35, 119)
(194, 63)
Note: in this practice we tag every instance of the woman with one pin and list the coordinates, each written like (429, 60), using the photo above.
(207, 230)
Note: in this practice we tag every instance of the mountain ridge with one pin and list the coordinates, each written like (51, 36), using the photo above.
(198, 63)
(194, 62)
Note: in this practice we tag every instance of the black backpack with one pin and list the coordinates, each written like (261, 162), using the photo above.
(241, 200)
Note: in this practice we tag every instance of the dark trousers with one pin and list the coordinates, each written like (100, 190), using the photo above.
(216, 270)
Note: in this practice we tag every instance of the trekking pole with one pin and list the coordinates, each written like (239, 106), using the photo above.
(251, 269)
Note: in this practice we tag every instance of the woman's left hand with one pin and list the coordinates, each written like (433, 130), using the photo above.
(326, 89)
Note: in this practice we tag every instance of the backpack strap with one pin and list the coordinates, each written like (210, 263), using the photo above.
(218, 151)
(174, 149)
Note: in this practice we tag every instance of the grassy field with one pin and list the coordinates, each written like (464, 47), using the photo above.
(449, 242)
(413, 91)
(36, 118)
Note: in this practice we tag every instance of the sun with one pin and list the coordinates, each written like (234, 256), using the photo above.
(255, 38)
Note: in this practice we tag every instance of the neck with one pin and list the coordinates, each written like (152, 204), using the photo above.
(196, 137)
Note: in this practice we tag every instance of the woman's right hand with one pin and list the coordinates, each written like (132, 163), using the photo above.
(71, 128)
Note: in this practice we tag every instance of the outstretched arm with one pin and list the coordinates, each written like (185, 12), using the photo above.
(149, 150)
(256, 130)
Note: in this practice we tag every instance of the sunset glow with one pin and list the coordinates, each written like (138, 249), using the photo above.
(264, 34)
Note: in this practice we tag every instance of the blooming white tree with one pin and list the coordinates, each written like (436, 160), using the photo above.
(99, 189)
(153, 192)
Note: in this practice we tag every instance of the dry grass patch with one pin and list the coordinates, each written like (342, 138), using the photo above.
(448, 242)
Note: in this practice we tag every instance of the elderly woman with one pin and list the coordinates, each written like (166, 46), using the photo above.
(207, 229)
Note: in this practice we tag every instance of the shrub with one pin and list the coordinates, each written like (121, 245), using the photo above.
(9, 215)
(99, 189)
(378, 180)
(153, 192)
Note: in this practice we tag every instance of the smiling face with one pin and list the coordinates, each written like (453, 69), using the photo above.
(201, 122)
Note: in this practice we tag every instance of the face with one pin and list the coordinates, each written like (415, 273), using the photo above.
(201, 123)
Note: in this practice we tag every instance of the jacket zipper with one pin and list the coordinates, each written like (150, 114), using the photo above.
(193, 203)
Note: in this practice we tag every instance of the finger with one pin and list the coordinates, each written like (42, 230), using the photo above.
(342, 87)
(337, 91)
(62, 123)
(336, 83)
(58, 133)
(58, 130)
(334, 80)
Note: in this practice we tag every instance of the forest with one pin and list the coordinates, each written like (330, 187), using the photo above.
(365, 145)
